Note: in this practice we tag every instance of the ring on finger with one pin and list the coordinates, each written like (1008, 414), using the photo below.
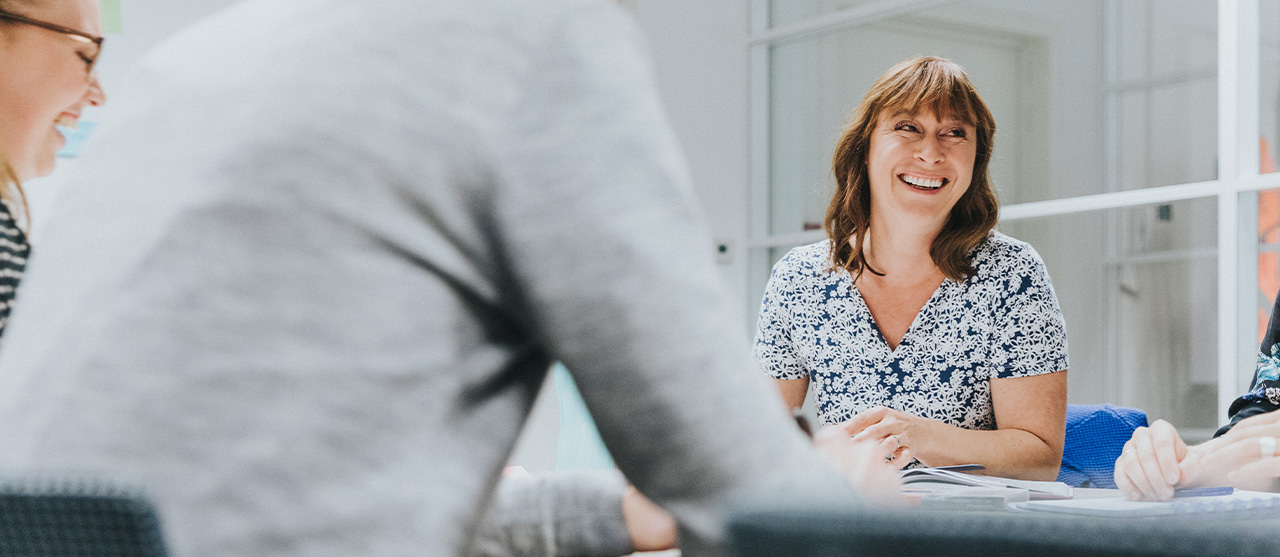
(896, 442)
(1267, 446)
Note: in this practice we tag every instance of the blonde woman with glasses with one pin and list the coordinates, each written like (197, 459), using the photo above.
(47, 55)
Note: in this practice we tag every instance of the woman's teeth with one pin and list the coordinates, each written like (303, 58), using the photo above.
(67, 121)
(931, 184)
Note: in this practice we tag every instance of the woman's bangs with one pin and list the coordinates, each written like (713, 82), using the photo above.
(944, 93)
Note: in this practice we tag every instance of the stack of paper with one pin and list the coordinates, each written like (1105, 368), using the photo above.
(1038, 490)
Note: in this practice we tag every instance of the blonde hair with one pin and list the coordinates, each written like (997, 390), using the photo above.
(930, 83)
(10, 188)
(13, 197)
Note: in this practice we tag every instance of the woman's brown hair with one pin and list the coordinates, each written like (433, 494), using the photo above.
(927, 83)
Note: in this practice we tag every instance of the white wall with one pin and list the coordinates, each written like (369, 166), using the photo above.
(144, 24)
(699, 54)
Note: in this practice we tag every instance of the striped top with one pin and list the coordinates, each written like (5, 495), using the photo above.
(14, 250)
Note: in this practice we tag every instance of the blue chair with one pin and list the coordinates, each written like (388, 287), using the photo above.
(1096, 433)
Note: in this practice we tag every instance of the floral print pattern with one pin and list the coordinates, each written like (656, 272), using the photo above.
(1003, 321)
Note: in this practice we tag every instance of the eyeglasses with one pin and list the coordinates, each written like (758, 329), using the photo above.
(80, 36)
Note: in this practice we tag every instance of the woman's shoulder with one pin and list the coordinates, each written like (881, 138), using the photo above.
(1002, 255)
(807, 260)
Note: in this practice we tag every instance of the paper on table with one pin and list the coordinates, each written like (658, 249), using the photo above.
(1254, 502)
(936, 475)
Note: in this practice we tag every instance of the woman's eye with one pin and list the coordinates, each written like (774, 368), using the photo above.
(907, 127)
(958, 132)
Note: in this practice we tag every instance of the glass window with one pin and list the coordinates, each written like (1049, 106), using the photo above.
(1089, 96)
(786, 12)
(1165, 92)
(1269, 85)
(1138, 287)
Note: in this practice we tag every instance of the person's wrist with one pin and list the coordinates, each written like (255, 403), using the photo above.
(651, 528)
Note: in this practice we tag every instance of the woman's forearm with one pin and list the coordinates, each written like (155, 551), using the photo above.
(1010, 453)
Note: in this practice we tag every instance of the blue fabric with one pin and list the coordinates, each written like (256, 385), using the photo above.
(1096, 433)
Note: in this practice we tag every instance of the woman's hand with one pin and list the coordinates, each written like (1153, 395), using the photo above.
(1246, 457)
(892, 429)
(1152, 463)
(865, 463)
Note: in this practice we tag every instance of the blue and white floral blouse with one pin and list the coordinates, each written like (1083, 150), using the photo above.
(1003, 321)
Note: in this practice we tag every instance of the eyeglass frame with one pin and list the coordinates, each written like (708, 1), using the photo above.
(73, 33)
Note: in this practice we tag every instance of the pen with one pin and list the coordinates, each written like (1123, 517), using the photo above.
(1203, 491)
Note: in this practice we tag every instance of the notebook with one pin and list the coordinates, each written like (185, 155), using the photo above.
(1253, 503)
(1038, 490)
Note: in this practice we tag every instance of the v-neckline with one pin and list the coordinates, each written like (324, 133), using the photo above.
(893, 351)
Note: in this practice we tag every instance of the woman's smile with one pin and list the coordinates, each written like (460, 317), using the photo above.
(924, 183)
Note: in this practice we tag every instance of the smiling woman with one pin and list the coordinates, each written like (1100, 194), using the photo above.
(918, 325)
(47, 54)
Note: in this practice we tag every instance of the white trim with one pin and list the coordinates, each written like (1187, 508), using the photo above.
(1113, 200)
(1175, 79)
(1168, 256)
(865, 13)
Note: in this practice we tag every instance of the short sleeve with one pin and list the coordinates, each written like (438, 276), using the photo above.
(775, 351)
(1030, 336)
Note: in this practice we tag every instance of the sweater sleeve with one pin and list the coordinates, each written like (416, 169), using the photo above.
(613, 266)
(569, 513)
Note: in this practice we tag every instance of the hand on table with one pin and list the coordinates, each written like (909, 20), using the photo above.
(895, 430)
(1153, 461)
(1246, 456)
(865, 463)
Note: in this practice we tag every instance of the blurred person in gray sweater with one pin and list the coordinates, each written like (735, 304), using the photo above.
(308, 278)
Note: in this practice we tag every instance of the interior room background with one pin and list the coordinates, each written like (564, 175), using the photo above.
(1136, 151)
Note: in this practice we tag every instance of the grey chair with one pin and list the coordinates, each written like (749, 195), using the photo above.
(76, 520)
(994, 534)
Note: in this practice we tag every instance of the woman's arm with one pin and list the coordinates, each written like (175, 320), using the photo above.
(793, 391)
(1030, 419)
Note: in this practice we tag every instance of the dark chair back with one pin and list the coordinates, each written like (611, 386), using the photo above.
(77, 520)
(992, 534)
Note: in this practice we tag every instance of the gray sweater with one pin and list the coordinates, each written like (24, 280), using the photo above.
(306, 281)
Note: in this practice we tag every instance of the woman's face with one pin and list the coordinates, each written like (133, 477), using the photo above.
(44, 81)
(919, 167)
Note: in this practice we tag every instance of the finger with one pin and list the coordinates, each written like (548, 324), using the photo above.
(1256, 426)
(1157, 488)
(1261, 420)
(1164, 442)
(889, 445)
(862, 420)
(880, 431)
(1191, 467)
(1131, 472)
(1256, 473)
(1125, 486)
(902, 458)
(1234, 455)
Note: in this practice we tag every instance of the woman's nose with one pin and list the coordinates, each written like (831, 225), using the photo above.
(95, 95)
(929, 150)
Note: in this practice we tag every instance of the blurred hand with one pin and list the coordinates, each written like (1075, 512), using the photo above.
(865, 463)
(890, 428)
(650, 526)
(1151, 463)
